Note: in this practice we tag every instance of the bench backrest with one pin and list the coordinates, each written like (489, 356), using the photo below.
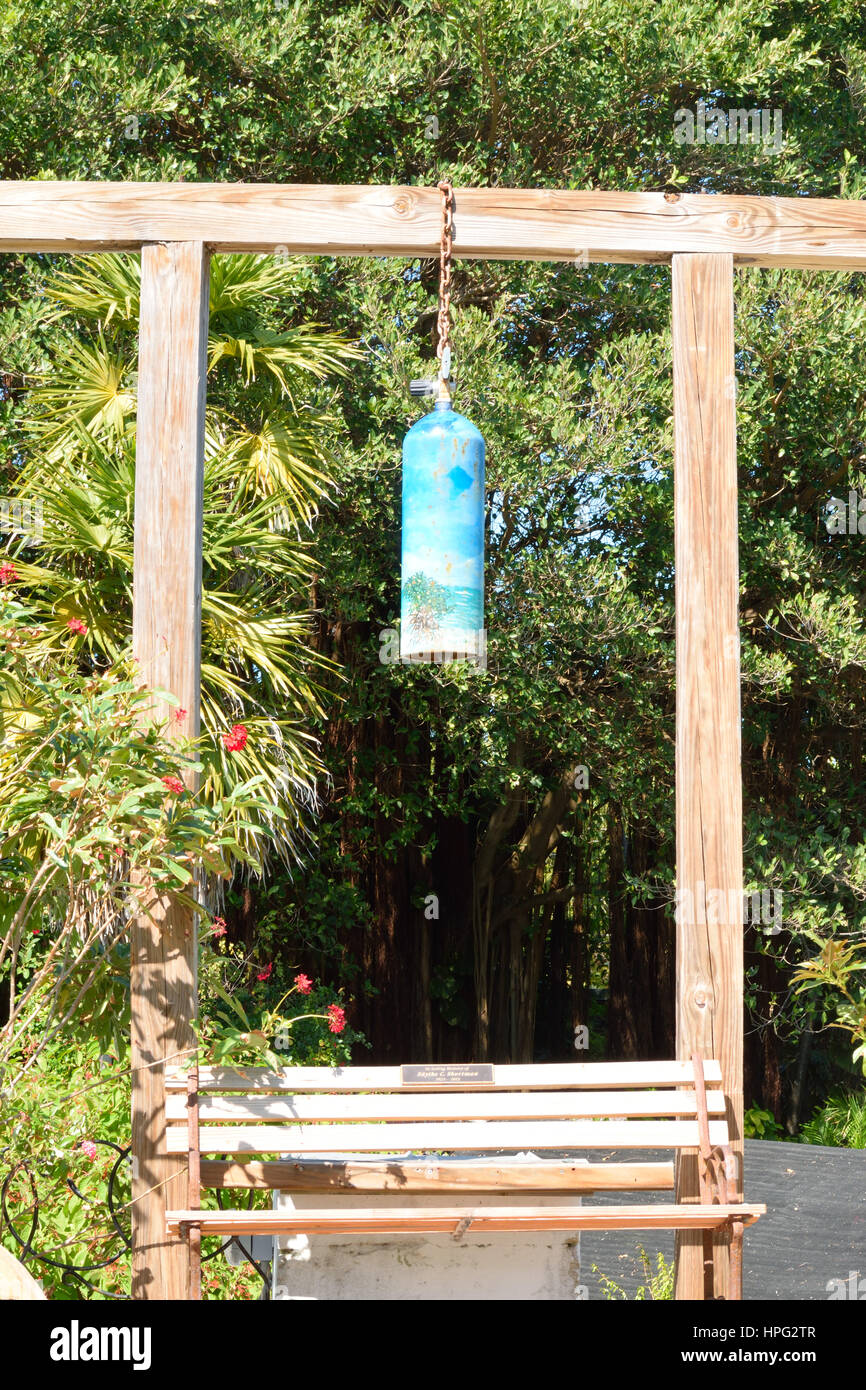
(376, 1110)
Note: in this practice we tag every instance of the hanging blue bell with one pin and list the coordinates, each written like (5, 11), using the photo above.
(442, 582)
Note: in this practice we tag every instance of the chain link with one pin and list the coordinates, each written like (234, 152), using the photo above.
(443, 322)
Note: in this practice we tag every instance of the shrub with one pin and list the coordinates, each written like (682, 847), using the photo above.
(839, 1121)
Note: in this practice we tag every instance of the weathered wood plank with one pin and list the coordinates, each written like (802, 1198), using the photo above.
(478, 1135)
(496, 1105)
(433, 1175)
(540, 1076)
(708, 777)
(17, 1284)
(490, 223)
(393, 1220)
(166, 644)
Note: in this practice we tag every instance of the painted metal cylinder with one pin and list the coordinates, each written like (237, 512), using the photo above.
(442, 580)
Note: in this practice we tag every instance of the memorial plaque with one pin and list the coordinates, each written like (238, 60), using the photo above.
(437, 1075)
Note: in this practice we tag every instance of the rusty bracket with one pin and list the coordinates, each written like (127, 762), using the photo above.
(706, 1174)
(193, 1231)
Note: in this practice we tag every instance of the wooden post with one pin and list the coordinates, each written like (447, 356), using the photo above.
(172, 365)
(708, 776)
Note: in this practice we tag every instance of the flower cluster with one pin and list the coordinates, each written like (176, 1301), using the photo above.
(235, 739)
(174, 784)
(336, 1018)
(76, 625)
(8, 572)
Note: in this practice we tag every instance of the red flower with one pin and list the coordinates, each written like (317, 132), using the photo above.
(180, 715)
(76, 625)
(218, 927)
(266, 973)
(235, 739)
(337, 1018)
(303, 984)
(88, 1147)
(8, 572)
(174, 784)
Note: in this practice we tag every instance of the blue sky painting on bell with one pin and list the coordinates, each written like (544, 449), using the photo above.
(442, 583)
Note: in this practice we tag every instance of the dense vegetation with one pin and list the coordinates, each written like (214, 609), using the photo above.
(431, 851)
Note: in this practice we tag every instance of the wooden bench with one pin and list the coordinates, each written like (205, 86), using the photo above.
(381, 1130)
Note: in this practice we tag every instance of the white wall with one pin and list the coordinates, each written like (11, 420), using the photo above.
(540, 1265)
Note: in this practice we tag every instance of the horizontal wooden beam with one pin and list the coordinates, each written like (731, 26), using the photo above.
(469, 1135)
(533, 1076)
(414, 1220)
(489, 223)
(432, 1175)
(476, 1105)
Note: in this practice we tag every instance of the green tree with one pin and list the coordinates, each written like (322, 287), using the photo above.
(267, 452)
(456, 784)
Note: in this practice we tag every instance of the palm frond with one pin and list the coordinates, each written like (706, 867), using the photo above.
(240, 282)
(283, 454)
(265, 476)
(291, 357)
(91, 387)
(102, 287)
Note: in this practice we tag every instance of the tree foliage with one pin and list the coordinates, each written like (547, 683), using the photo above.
(554, 899)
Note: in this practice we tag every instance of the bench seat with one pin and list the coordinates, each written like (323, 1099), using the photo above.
(461, 1134)
(458, 1219)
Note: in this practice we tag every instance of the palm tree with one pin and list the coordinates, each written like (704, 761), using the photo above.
(267, 458)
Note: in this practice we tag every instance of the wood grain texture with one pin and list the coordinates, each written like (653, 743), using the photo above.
(498, 1105)
(433, 1175)
(534, 1076)
(490, 223)
(17, 1284)
(708, 777)
(392, 1220)
(166, 644)
(478, 1135)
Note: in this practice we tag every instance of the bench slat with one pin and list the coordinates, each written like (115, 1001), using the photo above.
(477, 1105)
(532, 1076)
(407, 1221)
(473, 1135)
(432, 1175)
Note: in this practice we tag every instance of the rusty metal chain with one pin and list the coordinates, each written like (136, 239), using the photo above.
(443, 322)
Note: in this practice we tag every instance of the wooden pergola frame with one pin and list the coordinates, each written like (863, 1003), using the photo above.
(176, 227)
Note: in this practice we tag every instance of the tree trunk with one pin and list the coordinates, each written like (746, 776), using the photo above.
(642, 949)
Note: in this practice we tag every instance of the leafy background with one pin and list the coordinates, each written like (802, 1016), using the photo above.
(552, 902)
